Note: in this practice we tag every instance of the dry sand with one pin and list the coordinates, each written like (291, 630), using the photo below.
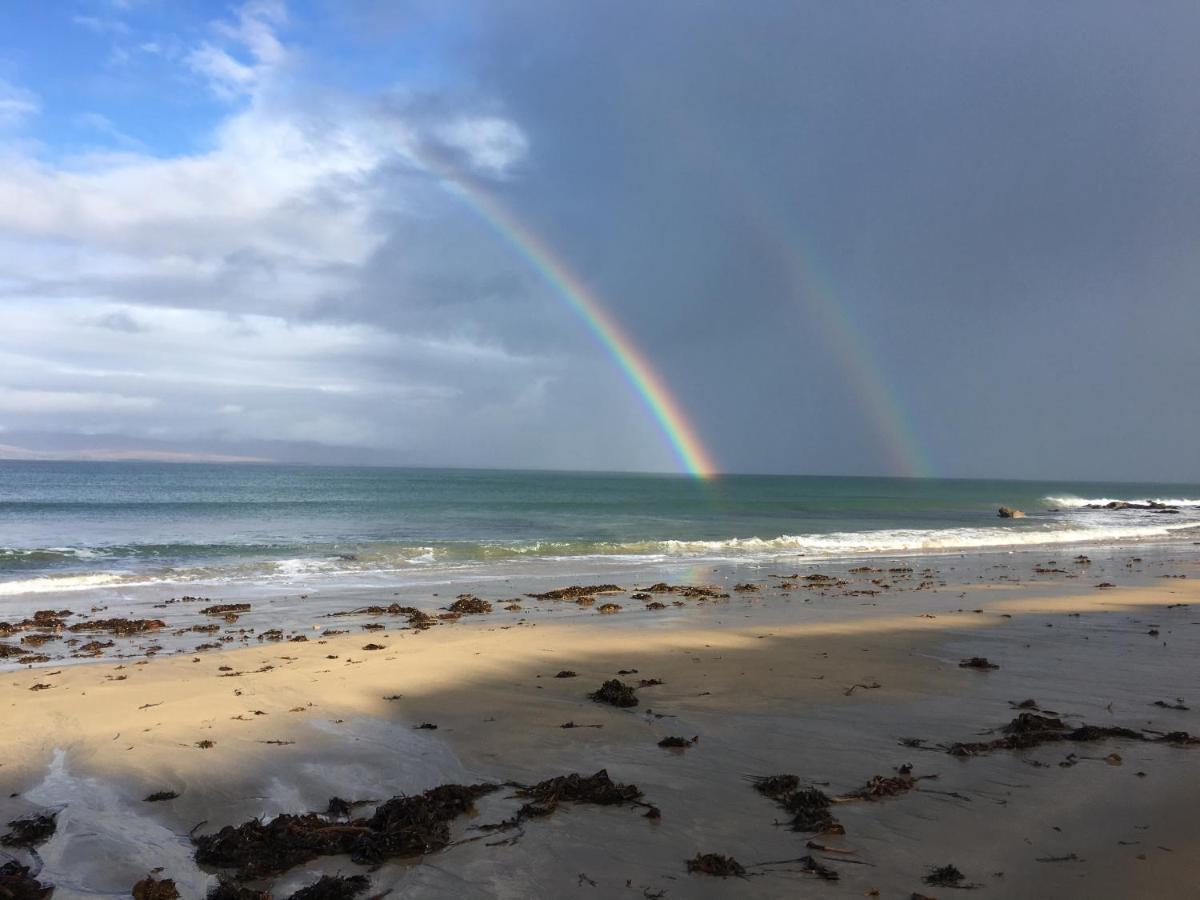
(768, 683)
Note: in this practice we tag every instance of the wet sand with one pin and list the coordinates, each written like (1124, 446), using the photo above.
(825, 681)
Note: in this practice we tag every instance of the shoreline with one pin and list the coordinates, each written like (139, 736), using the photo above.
(761, 677)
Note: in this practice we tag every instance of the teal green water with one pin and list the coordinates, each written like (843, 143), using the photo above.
(69, 518)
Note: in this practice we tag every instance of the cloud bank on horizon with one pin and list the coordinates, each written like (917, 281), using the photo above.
(851, 239)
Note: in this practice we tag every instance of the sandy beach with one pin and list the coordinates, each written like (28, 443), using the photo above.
(813, 676)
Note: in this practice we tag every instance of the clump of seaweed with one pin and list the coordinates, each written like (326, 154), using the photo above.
(470, 605)
(881, 786)
(678, 742)
(545, 796)
(716, 864)
(159, 796)
(403, 826)
(150, 888)
(567, 673)
(977, 662)
(1032, 730)
(333, 887)
(776, 786)
(615, 693)
(578, 590)
(16, 883)
(945, 876)
(609, 608)
(223, 608)
(691, 592)
(227, 890)
(121, 627)
(30, 831)
(808, 806)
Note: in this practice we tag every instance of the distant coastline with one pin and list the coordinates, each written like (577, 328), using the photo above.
(24, 454)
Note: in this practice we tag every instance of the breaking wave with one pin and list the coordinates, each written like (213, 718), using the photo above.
(1069, 502)
(308, 562)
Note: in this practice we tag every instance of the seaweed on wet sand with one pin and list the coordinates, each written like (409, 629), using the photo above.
(545, 797)
(150, 888)
(37, 639)
(1032, 730)
(578, 590)
(403, 826)
(977, 662)
(121, 627)
(159, 796)
(776, 786)
(946, 876)
(808, 806)
(599, 789)
(333, 887)
(228, 890)
(715, 864)
(469, 604)
(680, 743)
(222, 609)
(881, 786)
(691, 592)
(30, 831)
(566, 673)
(17, 883)
(615, 693)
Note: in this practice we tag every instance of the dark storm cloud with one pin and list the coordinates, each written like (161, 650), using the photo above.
(999, 198)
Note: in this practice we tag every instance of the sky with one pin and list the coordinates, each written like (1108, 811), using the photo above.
(957, 239)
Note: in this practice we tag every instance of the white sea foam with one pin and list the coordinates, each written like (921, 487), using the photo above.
(1080, 502)
(51, 583)
(919, 540)
(407, 560)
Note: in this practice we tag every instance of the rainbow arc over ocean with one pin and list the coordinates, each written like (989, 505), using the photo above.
(693, 457)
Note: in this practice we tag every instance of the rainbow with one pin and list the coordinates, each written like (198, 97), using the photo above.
(810, 286)
(663, 406)
(879, 399)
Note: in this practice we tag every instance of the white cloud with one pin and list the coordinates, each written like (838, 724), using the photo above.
(105, 126)
(101, 24)
(301, 278)
(14, 400)
(16, 104)
(491, 144)
(252, 34)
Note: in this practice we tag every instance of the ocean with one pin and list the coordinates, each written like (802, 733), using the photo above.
(75, 525)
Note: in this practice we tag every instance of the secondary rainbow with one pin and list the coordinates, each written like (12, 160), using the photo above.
(681, 435)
